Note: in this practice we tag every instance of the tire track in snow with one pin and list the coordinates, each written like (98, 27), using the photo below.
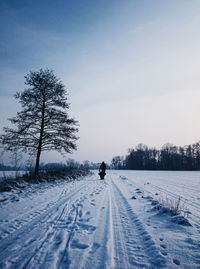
(45, 239)
(88, 255)
(24, 219)
(134, 247)
(30, 235)
(48, 250)
(65, 256)
(52, 250)
(191, 240)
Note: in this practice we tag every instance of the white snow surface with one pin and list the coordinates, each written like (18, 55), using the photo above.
(95, 224)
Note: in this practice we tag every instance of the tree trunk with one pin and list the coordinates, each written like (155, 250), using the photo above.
(39, 150)
(37, 163)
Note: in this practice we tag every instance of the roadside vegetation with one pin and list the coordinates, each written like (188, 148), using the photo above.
(49, 175)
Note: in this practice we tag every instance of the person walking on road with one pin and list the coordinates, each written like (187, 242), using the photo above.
(102, 170)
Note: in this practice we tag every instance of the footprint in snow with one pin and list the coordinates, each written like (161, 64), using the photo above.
(76, 244)
(138, 191)
(163, 246)
(148, 223)
(177, 262)
(148, 237)
(87, 227)
(164, 253)
(69, 220)
(80, 213)
(95, 246)
(85, 220)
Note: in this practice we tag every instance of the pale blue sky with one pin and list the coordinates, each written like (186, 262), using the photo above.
(131, 68)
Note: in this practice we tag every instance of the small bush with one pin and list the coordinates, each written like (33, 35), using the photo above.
(173, 206)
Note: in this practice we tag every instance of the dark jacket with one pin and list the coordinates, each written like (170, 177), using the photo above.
(102, 167)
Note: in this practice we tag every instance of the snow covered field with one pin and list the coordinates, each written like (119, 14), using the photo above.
(92, 223)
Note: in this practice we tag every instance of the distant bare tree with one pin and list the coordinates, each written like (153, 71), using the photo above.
(16, 158)
(43, 124)
(117, 162)
(71, 163)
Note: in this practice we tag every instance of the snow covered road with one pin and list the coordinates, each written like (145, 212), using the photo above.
(91, 223)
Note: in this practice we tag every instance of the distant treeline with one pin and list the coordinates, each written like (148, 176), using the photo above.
(169, 157)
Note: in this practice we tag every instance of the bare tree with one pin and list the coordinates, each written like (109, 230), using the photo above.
(117, 162)
(43, 124)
